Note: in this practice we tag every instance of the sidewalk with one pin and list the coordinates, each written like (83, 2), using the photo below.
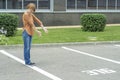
(76, 26)
(70, 26)
(113, 25)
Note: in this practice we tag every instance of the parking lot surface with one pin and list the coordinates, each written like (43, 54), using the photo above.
(73, 62)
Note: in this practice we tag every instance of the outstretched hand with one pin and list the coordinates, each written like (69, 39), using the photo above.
(46, 31)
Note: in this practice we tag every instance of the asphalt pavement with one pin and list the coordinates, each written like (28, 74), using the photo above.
(64, 62)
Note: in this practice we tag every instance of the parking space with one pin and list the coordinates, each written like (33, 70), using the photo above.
(74, 62)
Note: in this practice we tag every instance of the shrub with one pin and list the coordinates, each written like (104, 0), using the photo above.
(9, 23)
(93, 22)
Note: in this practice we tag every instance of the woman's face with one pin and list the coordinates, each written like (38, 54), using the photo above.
(32, 11)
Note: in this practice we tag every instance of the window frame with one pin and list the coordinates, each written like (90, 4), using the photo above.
(116, 9)
(6, 10)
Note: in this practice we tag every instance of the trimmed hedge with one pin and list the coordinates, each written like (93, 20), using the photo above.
(93, 22)
(9, 23)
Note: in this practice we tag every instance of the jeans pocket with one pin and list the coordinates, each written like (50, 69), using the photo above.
(24, 33)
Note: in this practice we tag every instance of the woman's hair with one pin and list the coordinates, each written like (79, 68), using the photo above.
(31, 6)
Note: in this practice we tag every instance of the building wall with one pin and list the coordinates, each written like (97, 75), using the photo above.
(59, 15)
(59, 19)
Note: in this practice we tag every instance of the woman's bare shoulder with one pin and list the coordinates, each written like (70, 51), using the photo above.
(26, 13)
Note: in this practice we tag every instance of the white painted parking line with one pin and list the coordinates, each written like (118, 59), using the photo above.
(117, 45)
(91, 55)
(51, 76)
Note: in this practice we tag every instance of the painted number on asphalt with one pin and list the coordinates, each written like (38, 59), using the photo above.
(99, 71)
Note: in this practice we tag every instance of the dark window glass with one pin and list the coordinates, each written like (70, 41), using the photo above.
(111, 4)
(2, 4)
(70, 4)
(118, 4)
(81, 4)
(44, 4)
(101, 4)
(26, 2)
(14, 4)
(92, 4)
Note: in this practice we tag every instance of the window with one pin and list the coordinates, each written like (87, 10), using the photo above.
(20, 5)
(70, 4)
(118, 4)
(14, 4)
(2, 4)
(111, 4)
(81, 4)
(101, 4)
(92, 4)
(26, 2)
(44, 4)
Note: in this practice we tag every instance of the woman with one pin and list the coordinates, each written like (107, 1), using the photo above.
(28, 30)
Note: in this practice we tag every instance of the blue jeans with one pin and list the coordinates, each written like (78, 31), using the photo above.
(27, 46)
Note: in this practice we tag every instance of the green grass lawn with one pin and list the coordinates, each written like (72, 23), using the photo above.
(63, 35)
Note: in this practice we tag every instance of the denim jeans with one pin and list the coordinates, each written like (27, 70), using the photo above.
(27, 46)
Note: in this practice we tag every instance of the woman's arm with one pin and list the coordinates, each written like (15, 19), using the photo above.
(40, 23)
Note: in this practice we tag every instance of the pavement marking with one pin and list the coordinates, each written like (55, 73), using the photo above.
(117, 45)
(99, 71)
(32, 67)
(91, 55)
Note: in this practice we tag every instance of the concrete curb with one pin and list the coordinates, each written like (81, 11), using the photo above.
(61, 44)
